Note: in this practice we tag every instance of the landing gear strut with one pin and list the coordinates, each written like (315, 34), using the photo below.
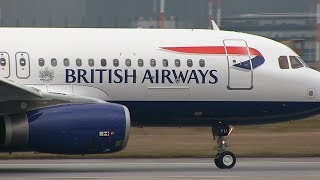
(224, 159)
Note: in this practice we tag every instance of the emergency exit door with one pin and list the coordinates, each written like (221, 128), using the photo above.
(22, 65)
(239, 65)
(4, 65)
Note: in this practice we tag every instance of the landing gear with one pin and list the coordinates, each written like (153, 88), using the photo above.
(224, 159)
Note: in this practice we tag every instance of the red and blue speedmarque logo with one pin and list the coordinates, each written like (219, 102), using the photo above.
(256, 61)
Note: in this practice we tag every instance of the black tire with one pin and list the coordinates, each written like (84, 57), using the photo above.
(217, 163)
(225, 160)
(2, 132)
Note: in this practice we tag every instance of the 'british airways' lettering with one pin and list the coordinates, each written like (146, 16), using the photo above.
(148, 76)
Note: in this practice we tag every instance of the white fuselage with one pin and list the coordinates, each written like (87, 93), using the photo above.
(217, 81)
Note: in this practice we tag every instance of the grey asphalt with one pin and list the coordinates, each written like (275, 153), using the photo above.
(195, 168)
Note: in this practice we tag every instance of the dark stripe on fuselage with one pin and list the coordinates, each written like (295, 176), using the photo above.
(190, 113)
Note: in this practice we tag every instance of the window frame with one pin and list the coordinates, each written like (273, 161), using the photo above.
(302, 61)
(103, 62)
(41, 62)
(190, 63)
(54, 62)
(287, 64)
(297, 60)
(116, 62)
(66, 62)
(153, 63)
(3, 62)
(78, 62)
(177, 63)
(140, 62)
(202, 63)
(128, 62)
(22, 60)
(91, 62)
(165, 62)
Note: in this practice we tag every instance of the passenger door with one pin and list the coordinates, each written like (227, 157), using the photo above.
(239, 65)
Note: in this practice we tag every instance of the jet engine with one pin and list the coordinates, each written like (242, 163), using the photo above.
(67, 129)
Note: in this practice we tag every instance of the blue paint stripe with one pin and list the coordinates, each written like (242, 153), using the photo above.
(185, 113)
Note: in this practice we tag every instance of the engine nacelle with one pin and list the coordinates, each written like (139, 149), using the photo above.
(67, 129)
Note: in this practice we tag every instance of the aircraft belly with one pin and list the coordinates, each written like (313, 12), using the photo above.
(205, 113)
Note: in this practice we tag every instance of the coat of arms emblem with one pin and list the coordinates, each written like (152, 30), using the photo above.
(46, 75)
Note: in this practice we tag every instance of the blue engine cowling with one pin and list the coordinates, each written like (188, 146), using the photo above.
(68, 129)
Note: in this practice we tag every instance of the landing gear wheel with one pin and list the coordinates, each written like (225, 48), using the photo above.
(225, 160)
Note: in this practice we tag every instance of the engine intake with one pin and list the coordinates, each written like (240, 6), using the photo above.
(67, 129)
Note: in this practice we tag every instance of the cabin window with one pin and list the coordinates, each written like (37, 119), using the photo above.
(66, 62)
(41, 62)
(54, 62)
(78, 62)
(140, 62)
(3, 62)
(128, 62)
(91, 62)
(152, 62)
(295, 63)
(116, 62)
(189, 63)
(283, 62)
(165, 62)
(202, 63)
(23, 62)
(177, 62)
(304, 63)
(103, 62)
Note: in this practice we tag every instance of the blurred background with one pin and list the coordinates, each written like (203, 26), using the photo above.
(293, 22)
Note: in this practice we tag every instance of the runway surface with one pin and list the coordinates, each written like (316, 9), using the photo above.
(155, 169)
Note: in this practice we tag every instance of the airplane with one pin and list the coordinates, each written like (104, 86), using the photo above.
(79, 90)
